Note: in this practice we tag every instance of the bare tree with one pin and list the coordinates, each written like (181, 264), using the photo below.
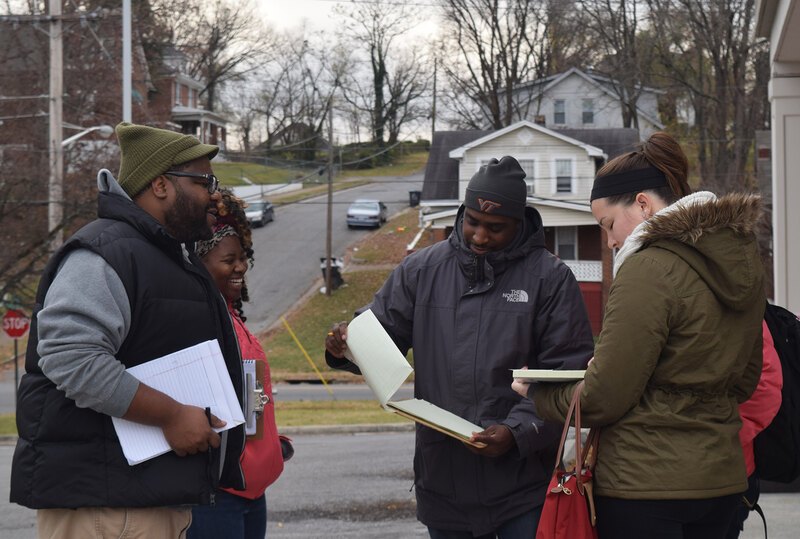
(708, 50)
(615, 27)
(397, 79)
(494, 46)
(222, 39)
(292, 94)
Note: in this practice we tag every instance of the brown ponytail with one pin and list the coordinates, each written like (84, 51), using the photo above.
(662, 151)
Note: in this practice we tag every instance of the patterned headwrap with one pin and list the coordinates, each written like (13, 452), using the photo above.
(221, 230)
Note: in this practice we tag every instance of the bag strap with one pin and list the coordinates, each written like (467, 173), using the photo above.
(564, 431)
(585, 455)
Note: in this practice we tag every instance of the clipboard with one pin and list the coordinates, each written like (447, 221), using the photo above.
(255, 398)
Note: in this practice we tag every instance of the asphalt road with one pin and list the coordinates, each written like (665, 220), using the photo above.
(288, 250)
(358, 485)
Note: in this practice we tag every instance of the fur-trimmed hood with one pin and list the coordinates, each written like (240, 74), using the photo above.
(714, 236)
(689, 222)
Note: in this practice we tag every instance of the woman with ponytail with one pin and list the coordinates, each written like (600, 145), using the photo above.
(680, 349)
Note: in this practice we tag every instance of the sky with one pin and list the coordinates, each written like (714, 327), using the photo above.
(284, 14)
(318, 14)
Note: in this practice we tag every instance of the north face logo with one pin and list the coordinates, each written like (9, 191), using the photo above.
(488, 206)
(516, 296)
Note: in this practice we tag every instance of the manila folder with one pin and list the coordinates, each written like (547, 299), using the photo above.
(385, 369)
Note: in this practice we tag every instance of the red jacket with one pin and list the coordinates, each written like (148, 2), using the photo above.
(758, 411)
(262, 461)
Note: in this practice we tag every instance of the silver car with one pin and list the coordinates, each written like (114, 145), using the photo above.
(366, 212)
(259, 213)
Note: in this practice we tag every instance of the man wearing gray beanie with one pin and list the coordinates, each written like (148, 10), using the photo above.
(121, 291)
(489, 299)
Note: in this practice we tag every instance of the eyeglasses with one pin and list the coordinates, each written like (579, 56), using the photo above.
(211, 181)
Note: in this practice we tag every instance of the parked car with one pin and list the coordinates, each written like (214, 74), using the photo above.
(259, 213)
(364, 212)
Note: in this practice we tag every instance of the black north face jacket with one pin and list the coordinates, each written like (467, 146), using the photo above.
(470, 320)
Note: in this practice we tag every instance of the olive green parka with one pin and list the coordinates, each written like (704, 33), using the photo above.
(680, 348)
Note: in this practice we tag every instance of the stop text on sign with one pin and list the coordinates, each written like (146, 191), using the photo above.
(15, 324)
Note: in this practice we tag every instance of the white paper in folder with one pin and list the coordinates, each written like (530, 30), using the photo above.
(197, 376)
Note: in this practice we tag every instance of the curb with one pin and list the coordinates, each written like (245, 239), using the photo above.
(11, 439)
(349, 429)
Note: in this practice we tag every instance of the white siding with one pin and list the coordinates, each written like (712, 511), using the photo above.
(527, 143)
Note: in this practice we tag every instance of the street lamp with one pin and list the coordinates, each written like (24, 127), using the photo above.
(104, 130)
(55, 205)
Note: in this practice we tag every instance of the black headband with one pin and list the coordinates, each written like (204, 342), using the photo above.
(631, 181)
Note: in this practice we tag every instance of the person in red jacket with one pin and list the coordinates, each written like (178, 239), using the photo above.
(240, 514)
(757, 413)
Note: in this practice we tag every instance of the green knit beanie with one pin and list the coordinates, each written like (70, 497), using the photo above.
(148, 152)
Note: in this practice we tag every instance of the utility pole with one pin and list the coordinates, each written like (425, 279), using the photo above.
(55, 197)
(127, 63)
(433, 107)
(329, 239)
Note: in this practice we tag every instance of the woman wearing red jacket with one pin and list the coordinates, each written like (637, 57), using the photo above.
(240, 514)
(757, 413)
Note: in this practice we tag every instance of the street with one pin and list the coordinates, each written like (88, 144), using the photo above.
(358, 485)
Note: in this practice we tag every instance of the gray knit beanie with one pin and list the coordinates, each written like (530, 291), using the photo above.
(148, 152)
(498, 188)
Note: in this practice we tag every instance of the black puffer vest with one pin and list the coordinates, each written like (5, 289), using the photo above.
(70, 457)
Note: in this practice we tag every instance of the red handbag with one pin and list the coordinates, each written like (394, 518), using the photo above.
(568, 511)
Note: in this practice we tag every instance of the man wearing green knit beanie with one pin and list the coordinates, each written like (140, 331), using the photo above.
(123, 290)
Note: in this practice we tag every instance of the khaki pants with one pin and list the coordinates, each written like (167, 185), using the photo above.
(114, 523)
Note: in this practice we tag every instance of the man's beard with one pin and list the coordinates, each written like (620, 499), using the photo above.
(185, 221)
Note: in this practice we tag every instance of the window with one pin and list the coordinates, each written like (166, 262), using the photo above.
(588, 111)
(563, 176)
(178, 93)
(528, 165)
(559, 112)
(567, 242)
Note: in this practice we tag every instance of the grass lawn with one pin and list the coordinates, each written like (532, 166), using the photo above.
(232, 174)
(403, 166)
(332, 412)
(8, 424)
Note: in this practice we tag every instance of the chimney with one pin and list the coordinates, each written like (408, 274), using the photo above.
(539, 120)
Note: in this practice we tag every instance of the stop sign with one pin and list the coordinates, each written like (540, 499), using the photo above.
(15, 324)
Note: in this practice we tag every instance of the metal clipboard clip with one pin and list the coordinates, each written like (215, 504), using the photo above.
(256, 397)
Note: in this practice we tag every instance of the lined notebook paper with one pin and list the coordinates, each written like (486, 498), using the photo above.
(196, 376)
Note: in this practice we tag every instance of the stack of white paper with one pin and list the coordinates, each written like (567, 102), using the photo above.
(196, 376)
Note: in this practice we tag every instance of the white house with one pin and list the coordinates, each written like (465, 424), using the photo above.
(578, 99)
(779, 21)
